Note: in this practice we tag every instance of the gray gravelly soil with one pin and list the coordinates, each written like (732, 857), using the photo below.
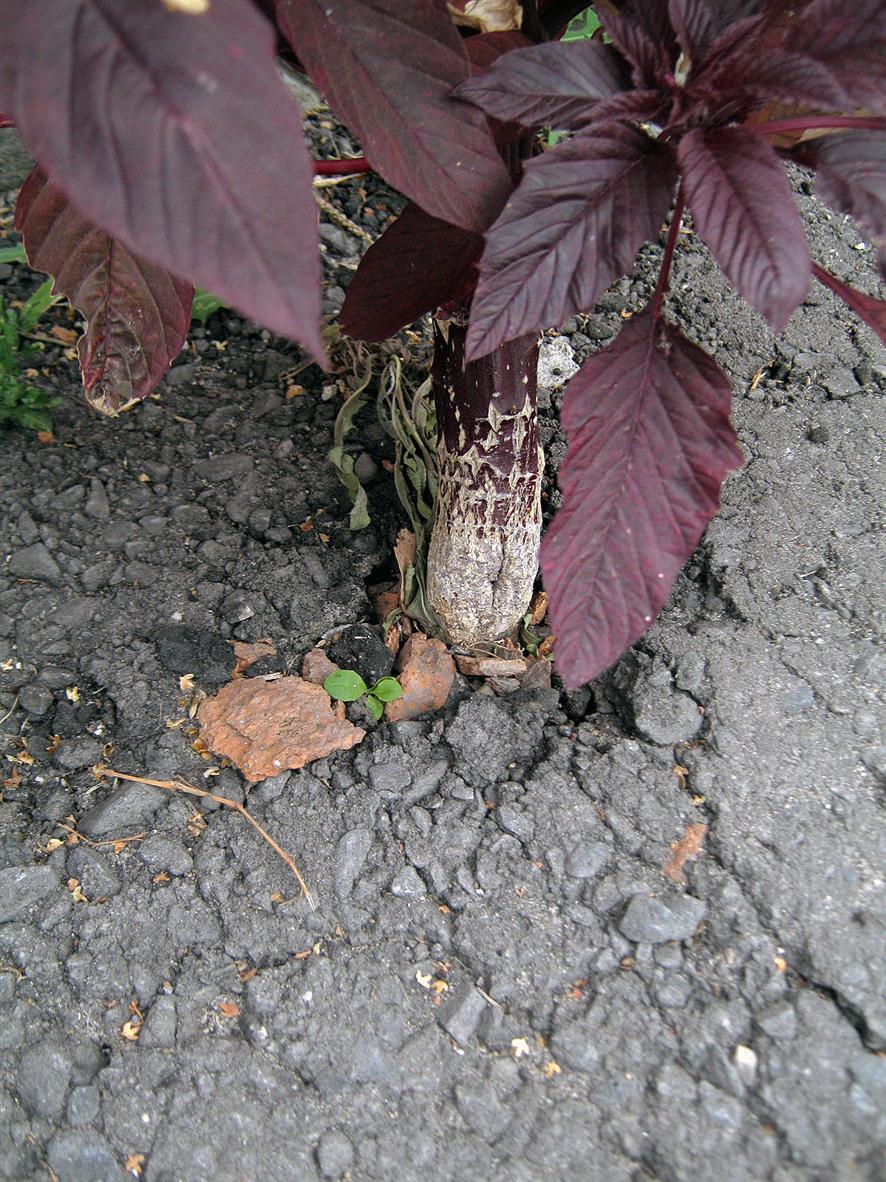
(499, 981)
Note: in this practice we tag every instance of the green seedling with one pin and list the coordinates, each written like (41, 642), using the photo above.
(205, 303)
(346, 685)
(21, 404)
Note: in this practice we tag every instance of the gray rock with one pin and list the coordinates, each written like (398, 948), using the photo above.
(462, 1015)
(335, 1154)
(664, 715)
(481, 1110)
(128, 806)
(35, 700)
(389, 777)
(653, 921)
(165, 853)
(556, 363)
(779, 1021)
(181, 375)
(361, 647)
(517, 824)
(43, 1078)
(841, 382)
(35, 562)
(407, 884)
(95, 872)
(161, 1022)
(82, 1155)
(83, 1105)
(72, 755)
(23, 886)
(227, 467)
(97, 504)
(587, 859)
(350, 854)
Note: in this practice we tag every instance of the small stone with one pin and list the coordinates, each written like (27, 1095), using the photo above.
(221, 468)
(335, 1154)
(556, 363)
(362, 648)
(587, 859)
(165, 853)
(183, 649)
(745, 1060)
(389, 777)
(72, 755)
(841, 382)
(23, 886)
(236, 607)
(426, 672)
(407, 884)
(350, 854)
(35, 700)
(181, 375)
(35, 562)
(517, 824)
(266, 727)
(664, 715)
(462, 1015)
(96, 873)
(82, 1155)
(316, 666)
(97, 504)
(161, 1022)
(83, 1105)
(43, 1078)
(490, 666)
(649, 920)
(779, 1021)
(125, 809)
(481, 1111)
(365, 468)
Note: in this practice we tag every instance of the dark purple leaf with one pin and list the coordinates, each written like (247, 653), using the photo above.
(693, 22)
(633, 33)
(851, 178)
(387, 69)
(576, 222)
(743, 208)
(647, 420)
(551, 84)
(418, 264)
(848, 39)
(174, 133)
(137, 313)
(871, 311)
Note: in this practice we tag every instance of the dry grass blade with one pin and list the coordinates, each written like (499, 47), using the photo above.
(180, 786)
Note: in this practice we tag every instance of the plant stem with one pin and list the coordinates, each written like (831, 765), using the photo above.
(819, 123)
(341, 167)
(668, 257)
(483, 556)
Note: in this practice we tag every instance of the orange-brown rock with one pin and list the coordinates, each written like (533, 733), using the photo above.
(316, 666)
(265, 727)
(248, 654)
(491, 666)
(426, 672)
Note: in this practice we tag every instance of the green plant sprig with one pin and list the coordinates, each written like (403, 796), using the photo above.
(346, 685)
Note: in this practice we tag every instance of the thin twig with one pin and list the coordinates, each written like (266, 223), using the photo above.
(181, 786)
(341, 219)
(106, 841)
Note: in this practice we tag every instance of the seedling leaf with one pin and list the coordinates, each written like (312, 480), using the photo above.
(375, 706)
(345, 685)
(388, 689)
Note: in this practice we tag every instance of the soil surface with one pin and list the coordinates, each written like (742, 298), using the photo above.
(508, 976)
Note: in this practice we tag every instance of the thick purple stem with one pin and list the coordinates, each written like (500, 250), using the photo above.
(483, 556)
(819, 122)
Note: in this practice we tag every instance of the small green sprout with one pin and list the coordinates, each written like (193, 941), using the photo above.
(21, 404)
(346, 685)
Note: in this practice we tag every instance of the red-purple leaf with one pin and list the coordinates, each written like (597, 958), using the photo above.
(551, 84)
(851, 178)
(387, 69)
(642, 33)
(871, 311)
(693, 22)
(849, 40)
(647, 419)
(174, 133)
(575, 224)
(418, 264)
(137, 314)
(743, 208)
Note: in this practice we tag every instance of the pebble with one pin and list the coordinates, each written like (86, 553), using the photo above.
(779, 1021)
(517, 824)
(227, 467)
(82, 1155)
(389, 777)
(35, 562)
(83, 1105)
(350, 854)
(181, 375)
(97, 504)
(334, 1153)
(461, 1017)
(165, 853)
(129, 806)
(23, 886)
(160, 1025)
(407, 884)
(587, 859)
(73, 755)
(481, 1111)
(35, 700)
(96, 873)
(43, 1078)
(652, 921)
(745, 1060)
(840, 382)
(663, 715)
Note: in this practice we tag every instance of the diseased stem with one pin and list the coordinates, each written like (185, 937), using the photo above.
(483, 555)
